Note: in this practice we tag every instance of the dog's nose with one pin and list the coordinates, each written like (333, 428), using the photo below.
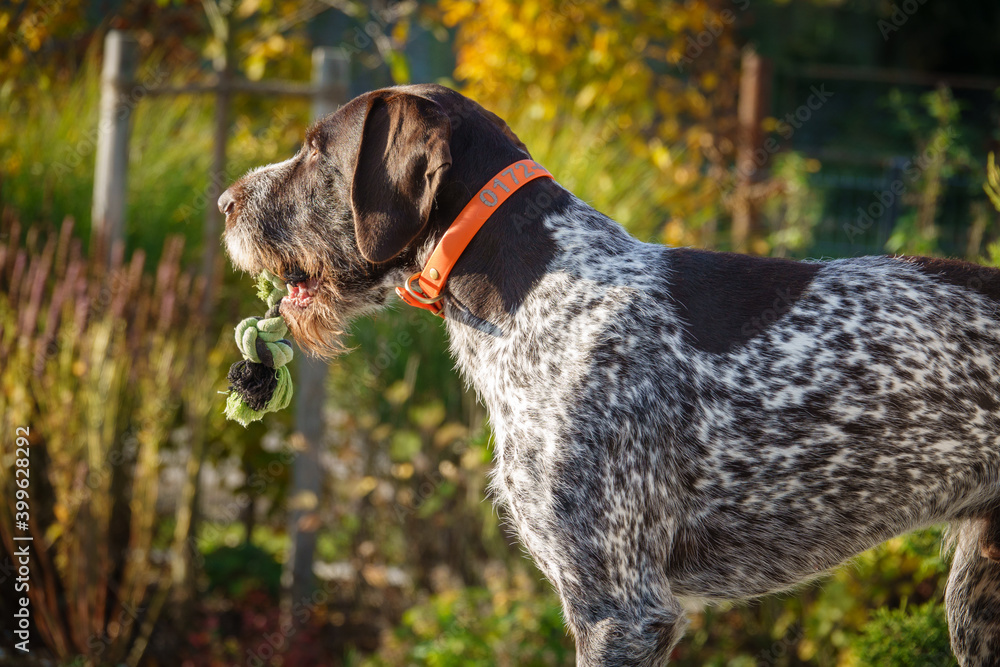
(227, 202)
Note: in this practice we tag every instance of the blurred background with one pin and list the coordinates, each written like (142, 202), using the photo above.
(354, 529)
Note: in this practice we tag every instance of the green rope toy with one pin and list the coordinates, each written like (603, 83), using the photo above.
(261, 382)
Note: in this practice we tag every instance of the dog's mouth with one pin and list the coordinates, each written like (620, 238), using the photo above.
(301, 288)
(309, 311)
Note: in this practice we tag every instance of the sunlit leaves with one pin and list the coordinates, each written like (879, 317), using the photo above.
(662, 73)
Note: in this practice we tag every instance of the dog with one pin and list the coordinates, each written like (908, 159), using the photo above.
(670, 423)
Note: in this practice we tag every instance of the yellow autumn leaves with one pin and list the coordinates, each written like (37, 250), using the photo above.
(663, 74)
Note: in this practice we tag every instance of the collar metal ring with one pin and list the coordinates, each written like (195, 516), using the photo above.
(419, 296)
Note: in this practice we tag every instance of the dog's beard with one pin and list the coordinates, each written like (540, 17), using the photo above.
(318, 327)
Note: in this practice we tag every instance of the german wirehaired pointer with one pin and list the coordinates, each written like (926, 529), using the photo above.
(670, 423)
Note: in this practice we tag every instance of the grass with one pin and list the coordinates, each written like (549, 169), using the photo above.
(48, 147)
(95, 361)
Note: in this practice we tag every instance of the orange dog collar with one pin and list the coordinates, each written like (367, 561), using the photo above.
(424, 288)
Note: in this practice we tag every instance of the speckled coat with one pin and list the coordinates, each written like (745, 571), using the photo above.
(670, 423)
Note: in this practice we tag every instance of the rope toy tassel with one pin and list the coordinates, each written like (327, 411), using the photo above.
(261, 383)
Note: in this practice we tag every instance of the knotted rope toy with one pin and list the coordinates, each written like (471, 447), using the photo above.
(261, 383)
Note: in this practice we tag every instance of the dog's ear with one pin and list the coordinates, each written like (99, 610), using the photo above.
(404, 154)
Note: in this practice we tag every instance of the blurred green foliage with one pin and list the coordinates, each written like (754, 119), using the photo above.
(506, 623)
(894, 637)
(792, 216)
(992, 184)
(48, 146)
(933, 121)
(234, 571)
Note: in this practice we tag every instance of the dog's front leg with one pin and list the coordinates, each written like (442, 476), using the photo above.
(628, 637)
(973, 596)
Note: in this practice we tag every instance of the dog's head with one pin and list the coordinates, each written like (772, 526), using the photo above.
(342, 220)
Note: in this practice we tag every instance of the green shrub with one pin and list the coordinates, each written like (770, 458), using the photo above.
(905, 638)
(240, 569)
(506, 624)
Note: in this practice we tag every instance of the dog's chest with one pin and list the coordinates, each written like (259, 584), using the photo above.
(532, 376)
(531, 369)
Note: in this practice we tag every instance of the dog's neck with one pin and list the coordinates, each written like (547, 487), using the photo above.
(537, 279)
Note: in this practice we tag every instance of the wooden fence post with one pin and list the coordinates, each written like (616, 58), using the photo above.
(752, 107)
(211, 240)
(330, 77)
(330, 73)
(121, 51)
